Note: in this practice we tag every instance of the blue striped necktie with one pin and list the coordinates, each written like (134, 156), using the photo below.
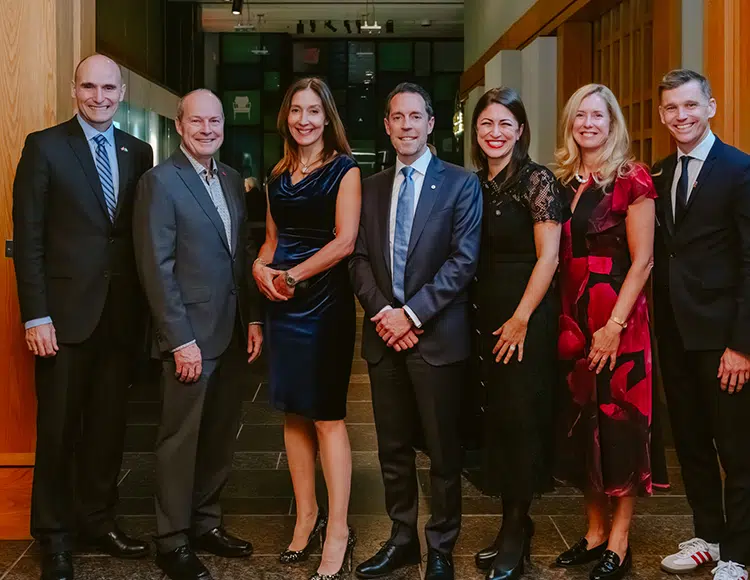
(404, 219)
(105, 175)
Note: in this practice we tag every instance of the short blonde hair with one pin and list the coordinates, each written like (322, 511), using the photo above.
(615, 159)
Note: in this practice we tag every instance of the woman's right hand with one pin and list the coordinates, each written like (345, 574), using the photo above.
(264, 277)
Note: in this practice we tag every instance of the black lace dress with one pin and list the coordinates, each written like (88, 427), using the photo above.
(518, 398)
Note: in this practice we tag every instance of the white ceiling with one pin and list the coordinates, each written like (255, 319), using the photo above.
(445, 17)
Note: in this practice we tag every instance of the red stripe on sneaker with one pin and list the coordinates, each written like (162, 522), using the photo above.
(708, 556)
(696, 557)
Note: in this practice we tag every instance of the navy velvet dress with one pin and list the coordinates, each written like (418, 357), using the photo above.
(310, 337)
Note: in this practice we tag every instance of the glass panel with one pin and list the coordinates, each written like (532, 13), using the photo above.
(242, 107)
(310, 58)
(395, 56)
(364, 151)
(446, 88)
(271, 81)
(422, 59)
(448, 56)
(361, 62)
(361, 111)
(338, 77)
(234, 77)
(240, 48)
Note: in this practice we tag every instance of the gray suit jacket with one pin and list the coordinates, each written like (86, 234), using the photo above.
(194, 279)
(441, 261)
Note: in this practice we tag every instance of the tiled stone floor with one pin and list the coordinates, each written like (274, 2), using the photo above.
(259, 504)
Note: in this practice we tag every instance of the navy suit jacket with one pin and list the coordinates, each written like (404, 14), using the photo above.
(702, 267)
(441, 260)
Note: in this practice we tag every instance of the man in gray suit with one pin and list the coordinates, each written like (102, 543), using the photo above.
(416, 253)
(192, 251)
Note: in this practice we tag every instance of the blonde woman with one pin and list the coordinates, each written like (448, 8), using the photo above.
(605, 261)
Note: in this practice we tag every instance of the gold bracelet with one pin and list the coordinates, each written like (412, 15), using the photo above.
(622, 324)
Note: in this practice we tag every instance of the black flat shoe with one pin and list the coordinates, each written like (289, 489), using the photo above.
(116, 543)
(484, 558)
(580, 554)
(220, 543)
(389, 559)
(610, 567)
(182, 564)
(319, 529)
(57, 566)
(512, 553)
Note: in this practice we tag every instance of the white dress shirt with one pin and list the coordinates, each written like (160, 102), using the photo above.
(91, 134)
(697, 157)
(420, 171)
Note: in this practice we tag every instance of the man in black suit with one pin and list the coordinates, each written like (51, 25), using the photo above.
(416, 253)
(83, 310)
(193, 252)
(702, 315)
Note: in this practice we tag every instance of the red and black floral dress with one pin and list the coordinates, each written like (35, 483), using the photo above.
(605, 443)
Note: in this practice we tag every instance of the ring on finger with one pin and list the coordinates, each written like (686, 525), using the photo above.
(512, 347)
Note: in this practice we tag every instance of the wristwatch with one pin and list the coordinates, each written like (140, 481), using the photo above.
(292, 282)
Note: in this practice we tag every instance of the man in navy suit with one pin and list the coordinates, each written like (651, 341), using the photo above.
(415, 256)
(702, 313)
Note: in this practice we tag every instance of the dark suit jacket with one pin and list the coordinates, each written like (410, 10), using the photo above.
(68, 254)
(702, 268)
(194, 282)
(441, 261)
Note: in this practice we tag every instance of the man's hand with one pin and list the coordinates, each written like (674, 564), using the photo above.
(734, 371)
(254, 341)
(409, 340)
(42, 340)
(189, 364)
(391, 325)
(280, 285)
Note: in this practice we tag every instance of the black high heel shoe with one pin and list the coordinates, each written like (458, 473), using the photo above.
(346, 565)
(484, 558)
(509, 566)
(319, 529)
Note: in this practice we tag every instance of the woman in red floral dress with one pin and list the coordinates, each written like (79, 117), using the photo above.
(605, 344)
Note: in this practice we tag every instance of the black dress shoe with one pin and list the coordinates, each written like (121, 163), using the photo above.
(610, 567)
(388, 559)
(57, 566)
(119, 545)
(182, 564)
(219, 542)
(439, 566)
(580, 554)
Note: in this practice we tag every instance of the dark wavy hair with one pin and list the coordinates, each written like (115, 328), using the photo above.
(510, 99)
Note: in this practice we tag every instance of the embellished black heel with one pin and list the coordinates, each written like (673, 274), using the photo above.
(346, 566)
(319, 529)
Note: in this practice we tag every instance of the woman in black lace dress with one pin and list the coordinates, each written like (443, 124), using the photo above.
(516, 315)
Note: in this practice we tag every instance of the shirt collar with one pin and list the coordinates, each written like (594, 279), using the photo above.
(420, 165)
(92, 133)
(702, 150)
(199, 169)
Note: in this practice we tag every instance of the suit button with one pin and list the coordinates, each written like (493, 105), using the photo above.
(672, 255)
(475, 307)
(106, 274)
(111, 240)
(234, 290)
(476, 279)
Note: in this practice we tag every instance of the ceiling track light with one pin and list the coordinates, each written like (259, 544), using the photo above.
(389, 26)
(359, 26)
(348, 26)
(329, 25)
(237, 7)
(312, 26)
(300, 27)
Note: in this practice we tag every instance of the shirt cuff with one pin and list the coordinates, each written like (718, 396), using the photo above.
(37, 322)
(259, 323)
(386, 307)
(183, 346)
(413, 316)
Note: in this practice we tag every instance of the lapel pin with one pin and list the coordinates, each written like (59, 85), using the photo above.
(224, 174)
(432, 187)
(124, 149)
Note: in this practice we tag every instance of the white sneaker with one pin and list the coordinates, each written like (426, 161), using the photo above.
(693, 554)
(729, 571)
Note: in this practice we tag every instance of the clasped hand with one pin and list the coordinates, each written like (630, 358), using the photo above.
(396, 330)
(271, 283)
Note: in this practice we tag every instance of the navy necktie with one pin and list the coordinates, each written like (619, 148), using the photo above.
(105, 175)
(681, 197)
(404, 219)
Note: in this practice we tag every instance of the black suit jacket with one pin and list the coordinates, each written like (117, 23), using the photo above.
(195, 279)
(68, 255)
(702, 267)
(441, 261)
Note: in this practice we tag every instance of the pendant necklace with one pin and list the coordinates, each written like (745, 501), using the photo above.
(306, 166)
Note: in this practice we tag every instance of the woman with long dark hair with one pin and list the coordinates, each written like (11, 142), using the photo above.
(516, 312)
(314, 198)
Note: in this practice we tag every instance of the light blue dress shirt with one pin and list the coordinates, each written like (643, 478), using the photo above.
(91, 134)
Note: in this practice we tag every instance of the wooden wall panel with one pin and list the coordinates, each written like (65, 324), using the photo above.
(667, 55)
(575, 59)
(726, 45)
(15, 502)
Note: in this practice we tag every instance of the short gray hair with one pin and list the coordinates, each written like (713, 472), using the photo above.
(681, 76)
(181, 102)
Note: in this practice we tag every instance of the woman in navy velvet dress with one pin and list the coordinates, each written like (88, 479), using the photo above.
(314, 198)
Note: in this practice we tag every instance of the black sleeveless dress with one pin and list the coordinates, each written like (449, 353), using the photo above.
(310, 338)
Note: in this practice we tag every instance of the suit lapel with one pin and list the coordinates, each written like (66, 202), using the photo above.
(77, 142)
(124, 167)
(427, 197)
(193, 182)
(705, 171)
(666, 178)
(384, 216)
(232, 201)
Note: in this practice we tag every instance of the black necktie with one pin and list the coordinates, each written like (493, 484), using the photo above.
(681, 197)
